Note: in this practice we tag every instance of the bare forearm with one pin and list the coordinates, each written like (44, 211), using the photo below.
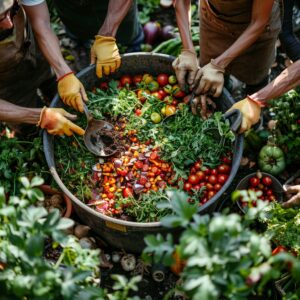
(288, 79)
(17, 114)
(116, 12)
(47, 40)
(260, 16)
(183, 11)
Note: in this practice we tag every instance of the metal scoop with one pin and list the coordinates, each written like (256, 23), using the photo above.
(100, 137)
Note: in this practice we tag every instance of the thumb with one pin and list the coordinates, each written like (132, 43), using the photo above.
(93, 56)
(68, 115)
(83, 93)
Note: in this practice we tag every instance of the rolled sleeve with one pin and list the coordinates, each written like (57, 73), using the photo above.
(31, 2)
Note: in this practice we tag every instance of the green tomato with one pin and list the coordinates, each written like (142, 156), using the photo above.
(155, 117)
(271, 160)
(153, 86)
(172, 79)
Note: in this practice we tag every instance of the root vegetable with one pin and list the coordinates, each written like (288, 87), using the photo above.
(128, 262)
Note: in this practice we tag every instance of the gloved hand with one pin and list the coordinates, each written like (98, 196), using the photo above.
(250, 110)
(105, 54)
(71, 91)
(199, 106)
(186, 64)
(294, 200)
(212, 80)
(55, 121)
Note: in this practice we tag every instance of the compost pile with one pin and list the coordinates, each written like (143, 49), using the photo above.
(161, 146)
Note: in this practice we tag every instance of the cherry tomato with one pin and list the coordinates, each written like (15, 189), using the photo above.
(162, 93)
(227, 160)
(267, 181)
(213, 172)
(196, 187)
(193, 179)
(138, 112)
(168, 89)
(177, 92)
(201, 175)
(254, 181)
(155, 117)
(224, 169)
(127, 192)
(187, 186)
(143, 180)
(211, 194)
(205, 170)
(193, 170)
(137, 79)
(212, 179)
(126, 80)
(138, 164)
(153, 86)
(209, 187)
(157, 95)
(222, 178)
(141, 95)
(170, 110)
(147, 78)
(217, 187)
(103, 86)
(172, 79)
(197, 165)
(153, 155)
(163, 79)
(279, 249)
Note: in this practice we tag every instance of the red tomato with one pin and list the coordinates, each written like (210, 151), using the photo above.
(174, 103)
(110, 195)
(157, 95)
(211, 194)
(141, 95)
(202, 184)
(224, 169)
(138, 112)
(209, 187)
(122, 172)
(103, 86)
(162, 93)
(267, 181)
(127, 192)
(193, 170)
(143, 180)
(213, 172)
(217, 187)
(204, 200)
(137, 78)
(196, 187)
(153, 155)
(222, 178)
(201, 175)
(126, 80)
(187, 186)
(177, 92)
(269, 193)
(193, 179)
(254, 181)
(139, 164)
(227, 160)
(163, 79)
(279, 249)
(212, 179)
(197, 165)
(206, 170)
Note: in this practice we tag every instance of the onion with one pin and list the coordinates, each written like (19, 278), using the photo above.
(152, 32)
(138, 188)
(167, 32)
(118, 163)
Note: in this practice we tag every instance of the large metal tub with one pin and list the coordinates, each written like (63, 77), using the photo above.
(118, 233)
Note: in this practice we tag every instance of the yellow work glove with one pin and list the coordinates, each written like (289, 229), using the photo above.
(212, 80)
(105, 54)
(186, 68)
(55, 121)
(250, 110)
(71, 91)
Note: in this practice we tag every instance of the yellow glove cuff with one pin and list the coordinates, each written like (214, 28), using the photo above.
(259, 103)
(101, 38)
(41, 116)
(217, 67)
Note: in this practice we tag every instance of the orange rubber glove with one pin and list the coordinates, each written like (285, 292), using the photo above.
(105, 54)
(55, 121)
(250, 110)
(186, 65)
(71, 91)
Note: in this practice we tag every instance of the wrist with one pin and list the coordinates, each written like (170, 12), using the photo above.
(61, 71)
(217, 66)
(189, 50)
(259, 103)
(63, 76)
(39, 123)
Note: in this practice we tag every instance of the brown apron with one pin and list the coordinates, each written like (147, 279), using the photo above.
(23, 69)
(222, 22)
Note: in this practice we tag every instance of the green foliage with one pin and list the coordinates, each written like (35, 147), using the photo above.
(286, 110)
(20, 158)
(146, 8)
(223, 257)
(26, 274)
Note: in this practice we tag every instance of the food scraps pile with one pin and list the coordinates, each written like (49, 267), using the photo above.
(156, 152)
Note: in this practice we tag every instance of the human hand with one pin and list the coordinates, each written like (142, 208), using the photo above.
(71, 91)
(105, 54)
(186, 65)
(57, 122)
(211, 82)
(293, 191)
(199, 106)
(250, 113)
